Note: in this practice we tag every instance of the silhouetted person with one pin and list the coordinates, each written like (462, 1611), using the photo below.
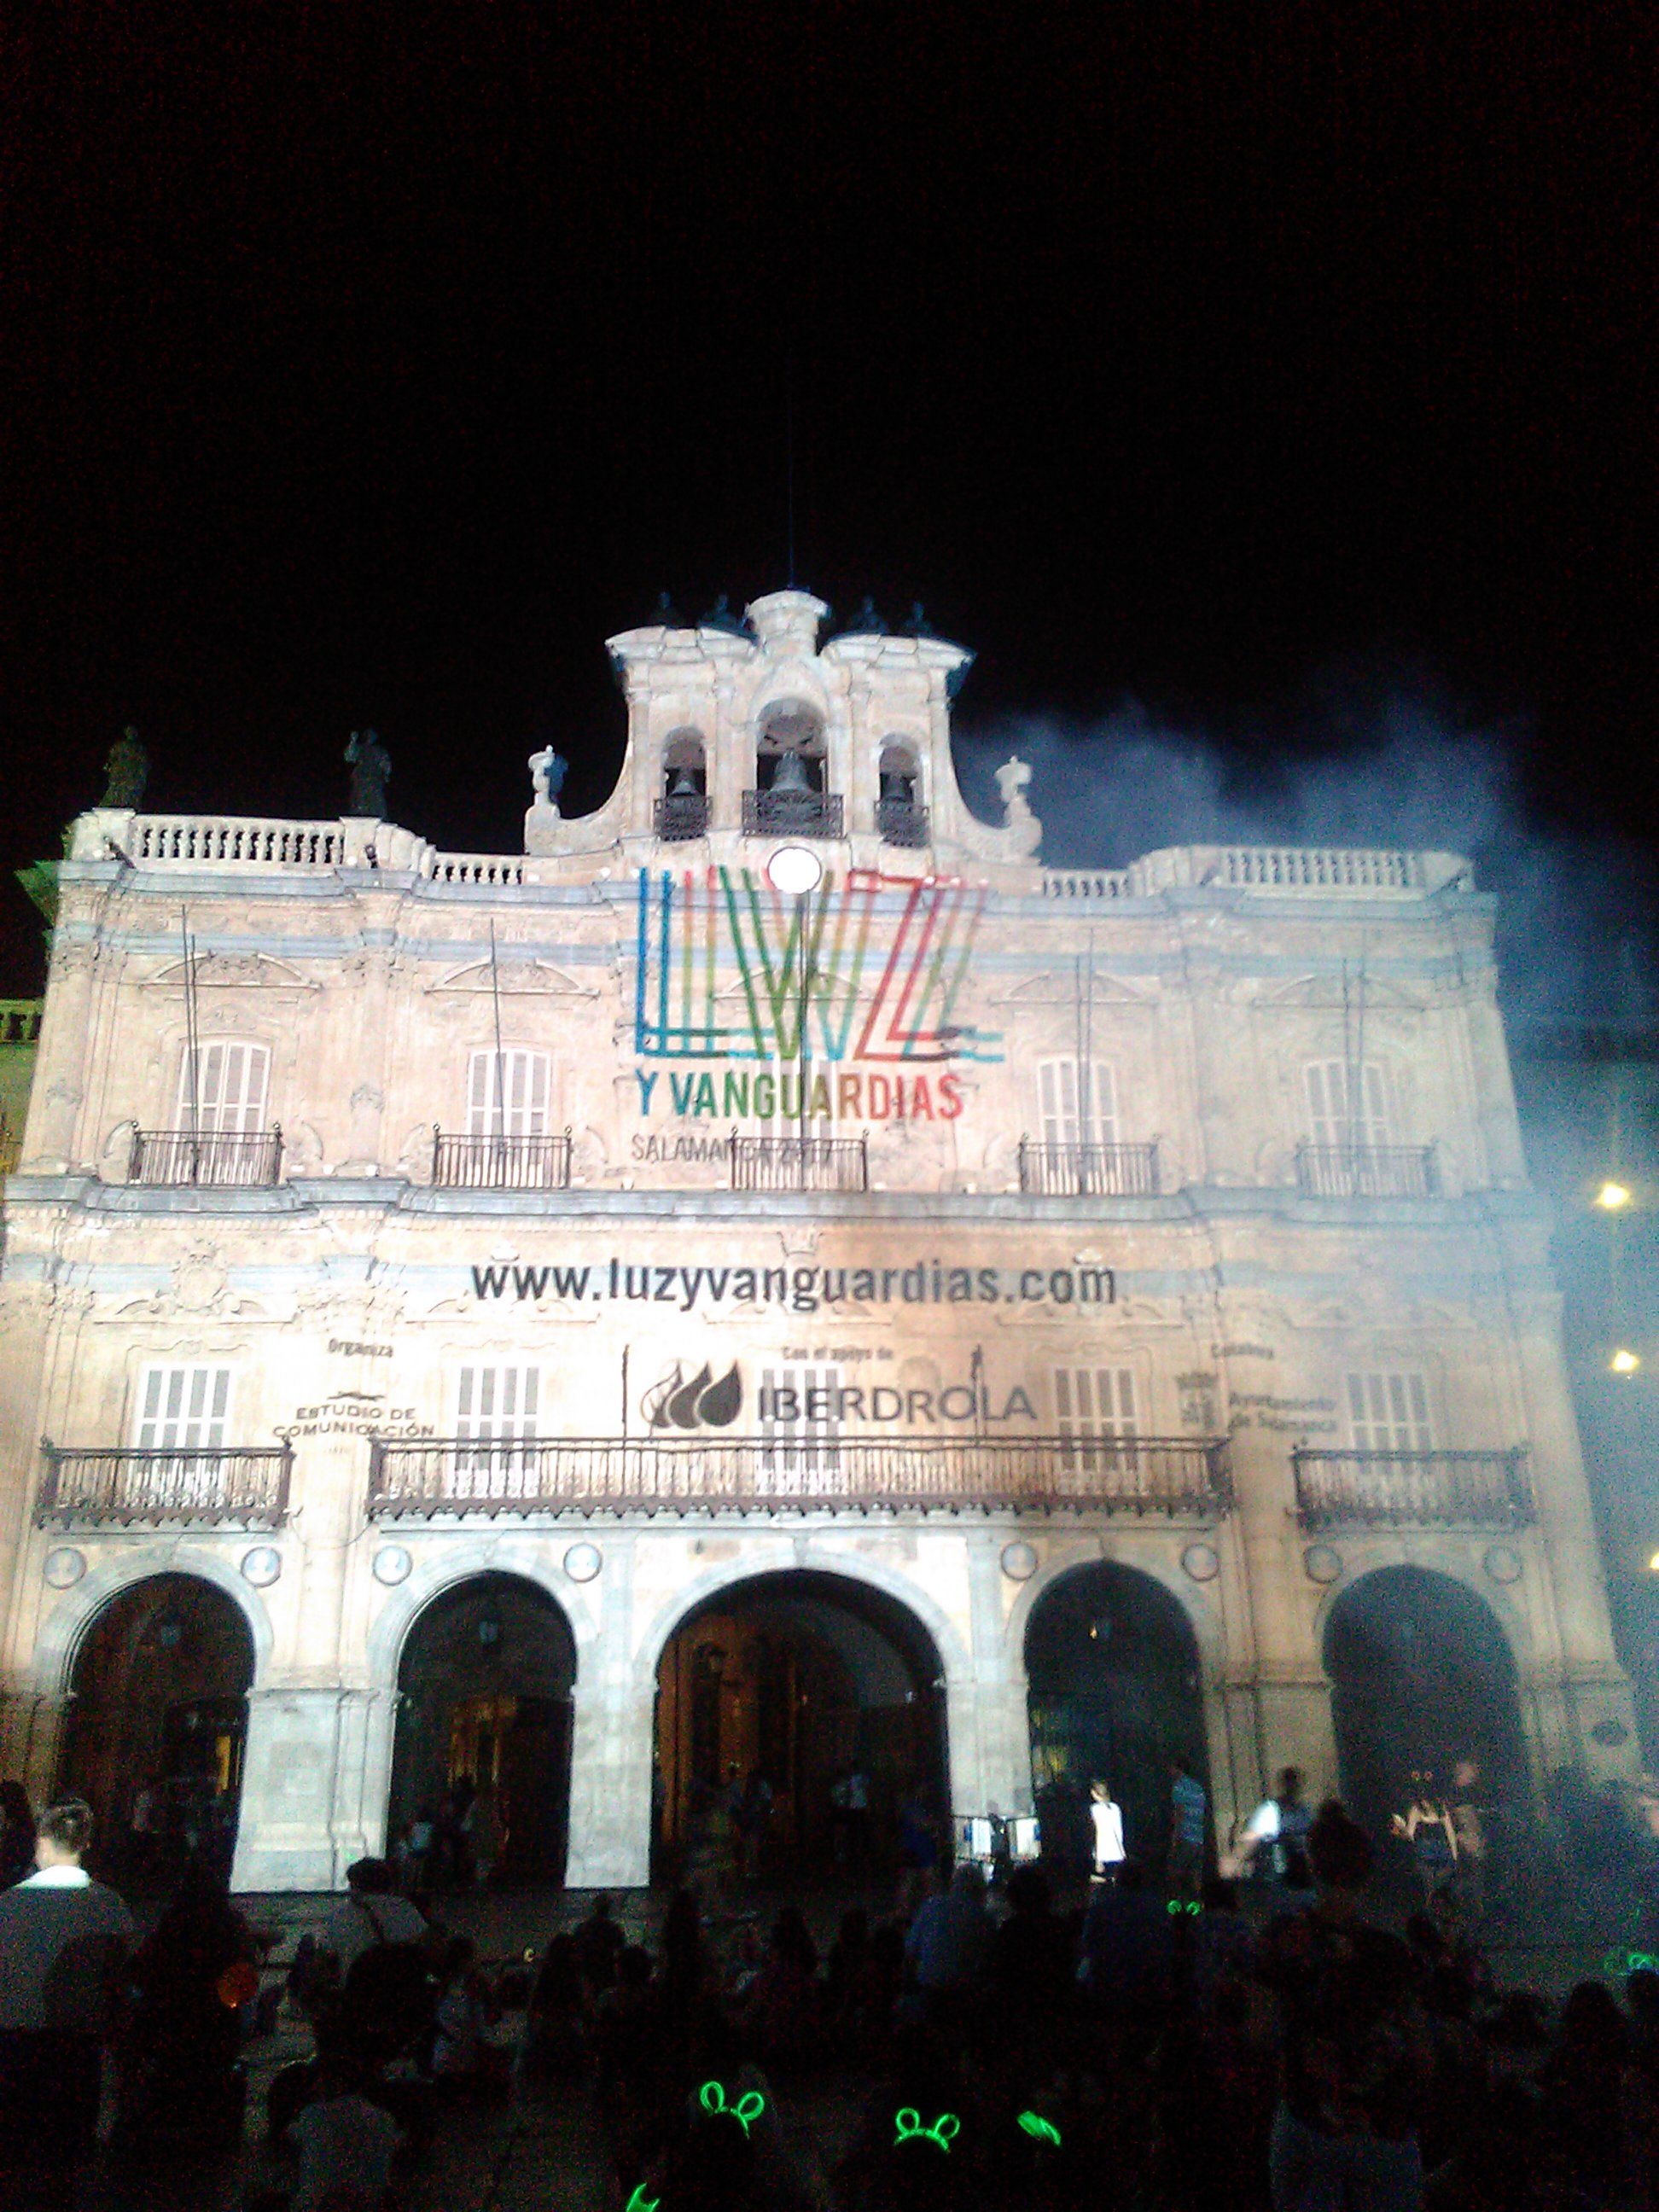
(17, 1834)
(64, 1941)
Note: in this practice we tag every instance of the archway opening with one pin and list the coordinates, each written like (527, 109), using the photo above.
(1422, 1676)
(789, 749)
(1115, 1695)
(811, 1705)
(157, 1727)
(482, 1749)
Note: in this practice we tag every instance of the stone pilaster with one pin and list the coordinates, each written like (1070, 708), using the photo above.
(305, 1814)
(610, 1744)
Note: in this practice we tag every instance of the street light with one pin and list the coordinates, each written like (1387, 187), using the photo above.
(1624, 1361)
(1611, 1197)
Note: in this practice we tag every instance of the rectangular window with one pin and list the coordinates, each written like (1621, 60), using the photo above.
(497, 1403)
(1093, 1406)
(801, 1433)
(1348, 1104)
(182, 1408)
(1389, 1412)
(1077, 1101)
(230, 1085)
(507, 1094)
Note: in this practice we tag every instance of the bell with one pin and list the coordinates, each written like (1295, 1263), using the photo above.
(791, 775)
(897, 788)
(682, 783)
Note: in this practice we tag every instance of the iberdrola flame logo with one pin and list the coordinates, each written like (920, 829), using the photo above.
(700, 1403)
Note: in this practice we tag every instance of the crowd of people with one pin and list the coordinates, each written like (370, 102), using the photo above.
(1267, 2037)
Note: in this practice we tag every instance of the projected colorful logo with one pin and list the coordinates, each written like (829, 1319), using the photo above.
(869, 968)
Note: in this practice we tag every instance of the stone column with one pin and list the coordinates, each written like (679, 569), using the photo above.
(302, 1816)
(996, 1768)
(610, 1744)
(1292, 1696)
(50, 1140)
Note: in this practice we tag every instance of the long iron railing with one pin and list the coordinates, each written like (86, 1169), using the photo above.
(248, 1156)
(465, 1162)
(196, 1488)
(1174, 1477)
(1062, 1170)
(1413, 1489)
(1367, 1171)
(800, 1162)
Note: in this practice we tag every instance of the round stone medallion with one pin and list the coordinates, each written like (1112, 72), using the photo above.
(391, 1564)
(1202, 1562)
(261, 1566)
(64, 1567)
(1504, 1564)
(1020, 1562)
(582, 1562)
(1323, 1562)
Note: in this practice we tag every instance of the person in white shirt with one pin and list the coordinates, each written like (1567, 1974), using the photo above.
(1276, 1834)
(1106, 1817)
(371, 1912)
(64, 1939)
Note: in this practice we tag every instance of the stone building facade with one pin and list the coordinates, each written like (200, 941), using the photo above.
(778, 1179)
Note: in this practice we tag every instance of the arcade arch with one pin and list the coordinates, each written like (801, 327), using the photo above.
(806, 1679)
(1115, 1693)
(157, 1725)
(485, 1679)
(1422, 1675)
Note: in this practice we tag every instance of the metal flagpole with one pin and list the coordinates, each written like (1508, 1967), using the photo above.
(193, 1046)
(501, 1061)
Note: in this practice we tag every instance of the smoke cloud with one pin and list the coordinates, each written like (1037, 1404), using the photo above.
(1575, 917)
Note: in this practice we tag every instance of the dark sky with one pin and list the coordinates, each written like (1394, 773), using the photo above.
(371, 365)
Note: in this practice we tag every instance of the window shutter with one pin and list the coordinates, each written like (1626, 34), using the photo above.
(183, 1409)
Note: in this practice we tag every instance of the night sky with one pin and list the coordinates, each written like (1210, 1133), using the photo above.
(364, 365)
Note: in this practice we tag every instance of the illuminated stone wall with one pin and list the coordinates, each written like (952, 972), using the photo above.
(1217, 1280)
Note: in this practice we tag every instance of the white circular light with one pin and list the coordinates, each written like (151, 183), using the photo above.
(794, 870)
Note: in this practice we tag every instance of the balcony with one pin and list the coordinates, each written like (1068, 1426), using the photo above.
(791, 814)
(681, 816)
(207, 1489)
(1367, 1171)
(800, 1162)
(1412, 1490)
(501, 1163)
(248, 1158)
(901, 821)
(1055, 1170)
(1177, 1478)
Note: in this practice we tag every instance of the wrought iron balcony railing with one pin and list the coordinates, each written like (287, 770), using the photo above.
(196, 1489)
(1367, 1171)
(1057, 1170)
(1171, 1477)
(901, 821)
(253, 1157)
(1412, 1490)
(462, 1162)
(792, 813)
(800, 1162)
(682, 815)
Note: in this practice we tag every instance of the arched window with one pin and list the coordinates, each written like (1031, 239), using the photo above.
(683, 801)
(901, 812)
(789, 775)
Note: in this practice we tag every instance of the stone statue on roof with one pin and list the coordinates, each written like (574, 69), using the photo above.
(548, 770)
(126, 771)
(371, 771)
